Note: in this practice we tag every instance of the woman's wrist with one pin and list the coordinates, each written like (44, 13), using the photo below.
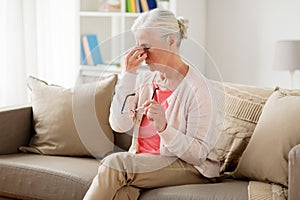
(163, 128)
(131, 71)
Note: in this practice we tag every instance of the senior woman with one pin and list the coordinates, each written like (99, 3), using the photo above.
(170, 109)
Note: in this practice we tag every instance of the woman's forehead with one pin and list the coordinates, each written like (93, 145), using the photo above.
(147, 36)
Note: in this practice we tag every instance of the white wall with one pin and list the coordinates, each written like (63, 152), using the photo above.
(195, 12)
(241, 35)
(192, 49)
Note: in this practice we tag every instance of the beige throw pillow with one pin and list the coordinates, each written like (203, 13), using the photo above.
(72, 122)
(277, 131)
(241, 109)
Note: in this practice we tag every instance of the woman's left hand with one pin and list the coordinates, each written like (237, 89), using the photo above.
(156, 113)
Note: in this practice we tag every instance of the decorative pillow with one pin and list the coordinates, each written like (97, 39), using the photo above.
(241, 108)
(277, 131)
(60, 114)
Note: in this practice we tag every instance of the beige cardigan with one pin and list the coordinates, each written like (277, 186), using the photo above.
(190, 133)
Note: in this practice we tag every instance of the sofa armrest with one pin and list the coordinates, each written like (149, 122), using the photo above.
(294, 173)
(15, 128)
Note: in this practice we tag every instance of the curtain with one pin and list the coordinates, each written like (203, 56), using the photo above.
(12, 56)
(39, 38)
(57, 22)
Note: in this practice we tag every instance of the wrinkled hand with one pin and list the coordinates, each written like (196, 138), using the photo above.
(156, 113)
(133, 59)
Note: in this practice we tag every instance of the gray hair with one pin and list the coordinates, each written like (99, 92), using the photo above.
(163, 20)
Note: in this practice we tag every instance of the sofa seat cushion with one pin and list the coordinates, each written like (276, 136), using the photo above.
(31, 176)
(228, 189)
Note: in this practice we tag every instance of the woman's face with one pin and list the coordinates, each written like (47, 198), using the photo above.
(160, 50)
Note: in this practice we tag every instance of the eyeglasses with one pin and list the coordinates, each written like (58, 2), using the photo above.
(138, 109)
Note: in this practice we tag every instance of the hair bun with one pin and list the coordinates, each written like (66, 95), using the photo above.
(183, 26)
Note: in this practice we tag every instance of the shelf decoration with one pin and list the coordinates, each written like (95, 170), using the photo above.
(111, 6)
(90, 51)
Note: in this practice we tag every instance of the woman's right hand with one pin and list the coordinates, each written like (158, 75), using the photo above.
(133, 59)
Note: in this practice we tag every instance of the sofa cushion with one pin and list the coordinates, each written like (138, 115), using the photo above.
(228, 189)
(71, 121)
(240, 106)
(266, 156)
(32, 176)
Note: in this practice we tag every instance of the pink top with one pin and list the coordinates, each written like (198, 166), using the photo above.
(149, 140)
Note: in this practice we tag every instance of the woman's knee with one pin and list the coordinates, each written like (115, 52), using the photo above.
(117, 161)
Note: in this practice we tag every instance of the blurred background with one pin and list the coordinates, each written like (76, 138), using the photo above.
(43, 38)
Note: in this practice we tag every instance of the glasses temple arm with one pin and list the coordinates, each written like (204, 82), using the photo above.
(123, 106)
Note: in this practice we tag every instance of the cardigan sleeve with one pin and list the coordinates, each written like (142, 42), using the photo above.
(126, 85)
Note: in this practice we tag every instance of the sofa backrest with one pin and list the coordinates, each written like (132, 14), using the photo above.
(260, 91)
(122, 141)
